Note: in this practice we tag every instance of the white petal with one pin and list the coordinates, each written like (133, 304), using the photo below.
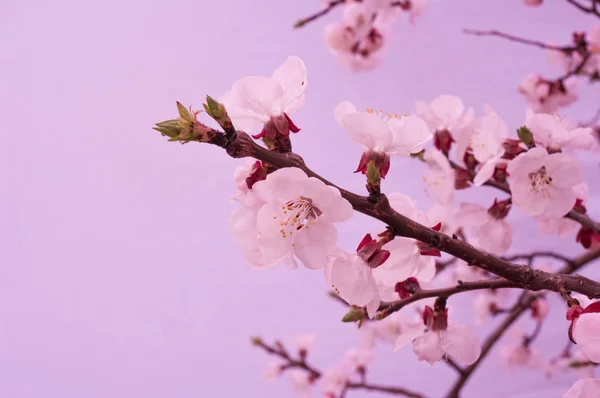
(352, 278)
(528, 162)
(587, 335)
(428, 348)
(584, 388)
(291, 76)
(461, 343)
(313, 245)
(284, 184)
(427, 269)
(405, 339)
(582, 138)
(485, 173)
(271, 241)
(426, 113)
(564, 170)
(410, 135)
(342, 109)
(560, 202)
(448, 108)
(368, 130)
(257, 94)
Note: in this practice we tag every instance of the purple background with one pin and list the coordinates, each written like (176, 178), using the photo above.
(117, 274)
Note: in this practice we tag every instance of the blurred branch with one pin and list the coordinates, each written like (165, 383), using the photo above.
(301, 363)
(591, 9)
(565, 49)
(330, 6)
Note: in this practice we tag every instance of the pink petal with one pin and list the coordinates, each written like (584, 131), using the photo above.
(291, 76)
(461, 343)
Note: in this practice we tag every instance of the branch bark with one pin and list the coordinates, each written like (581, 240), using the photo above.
(240, 145)
(498, 283)
(593, 9)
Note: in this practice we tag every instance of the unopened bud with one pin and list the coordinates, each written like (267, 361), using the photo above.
(217, 111)
(407, 288)
(526, 136)
(443, 141)
(499, 210)
(355, 314)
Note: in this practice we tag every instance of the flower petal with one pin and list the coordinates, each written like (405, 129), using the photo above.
(291, 76)
(368, 130)
(428, 347)
(410, 135)
(282, 185)
(342, 109)
(564, 170)
(448, 108)
(461, 343)
(257, 94)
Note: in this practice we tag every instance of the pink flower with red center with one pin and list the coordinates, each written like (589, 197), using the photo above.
(256, 101)
(437, 339)
(556, 133)
(542, 184)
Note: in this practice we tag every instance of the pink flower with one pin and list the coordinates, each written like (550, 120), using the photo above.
(384, 133)
(360, 357)
(489, 133)
(273, 371)
(258, 100)
(593, 39)
(483, 230)
(446, 115)
(519, 355)
(439, 177)
(296, 220)
(557, 133)
(546, 96)
(542, 184)
(301, 383)
(303, 342)
(352, 279)
(584, 388)
(457, 341)
(585, 330)
(486, 302)
(563, 226)
(335, 378)
(533, 3)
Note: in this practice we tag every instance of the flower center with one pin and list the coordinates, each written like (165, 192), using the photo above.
(385, 116)
(297, 214)
(541, 182)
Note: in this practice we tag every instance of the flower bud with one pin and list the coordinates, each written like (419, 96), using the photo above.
(462, 179)
(499, 210)
(381, 162)
(512, 148)
(443, 141)
(526, 136)
(407, 288)
(217, 111)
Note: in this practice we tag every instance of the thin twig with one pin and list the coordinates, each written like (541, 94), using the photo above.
(498, 283)
(593, 9)
(531, 256)
(332, 4)
(565, 49)
(301, 363)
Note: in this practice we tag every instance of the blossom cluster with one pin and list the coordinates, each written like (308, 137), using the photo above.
(287, 216)
(359, 39)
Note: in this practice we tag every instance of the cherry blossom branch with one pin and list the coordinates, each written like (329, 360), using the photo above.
(301, 363)
(573, 215)
(240, 145)
(524, 303)
(565, 49)
(497, 283)
(593, 9)
(330, 6)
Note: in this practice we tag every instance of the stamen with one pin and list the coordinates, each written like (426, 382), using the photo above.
(541, 182)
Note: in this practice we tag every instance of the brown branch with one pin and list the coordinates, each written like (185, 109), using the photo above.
(593, 9)
(565, 49)
(332, 4)
(498, 283)
(455, 366)
(581, 218)
(521, 306)
(241, 145)
(301, 363)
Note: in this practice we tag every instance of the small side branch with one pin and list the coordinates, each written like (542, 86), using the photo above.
(535, 43)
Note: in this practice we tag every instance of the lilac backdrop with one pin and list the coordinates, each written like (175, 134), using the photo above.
(117, 275)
